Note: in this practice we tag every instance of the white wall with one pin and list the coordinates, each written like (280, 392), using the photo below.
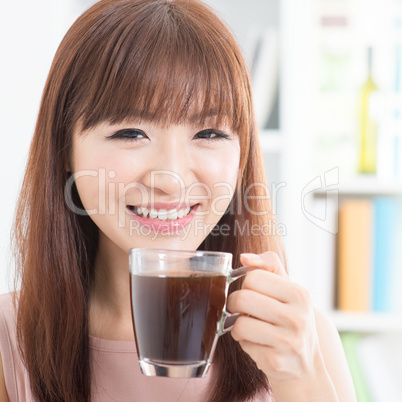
(30, 32)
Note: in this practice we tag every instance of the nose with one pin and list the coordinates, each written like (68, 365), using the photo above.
(170, 169)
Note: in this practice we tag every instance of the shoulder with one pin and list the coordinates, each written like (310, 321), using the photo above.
(7, 345)
(6, 300)
(7, 308)
(334, 356)
(7, 312)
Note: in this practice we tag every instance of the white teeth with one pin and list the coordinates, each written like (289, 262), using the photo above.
(172, 214)
(162, 214)
(153, 213)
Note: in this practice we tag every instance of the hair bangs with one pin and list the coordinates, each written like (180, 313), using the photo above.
(167, 68)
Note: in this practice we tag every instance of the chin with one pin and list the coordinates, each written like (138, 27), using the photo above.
(165, 242)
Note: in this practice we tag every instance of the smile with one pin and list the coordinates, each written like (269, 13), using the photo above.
(162, 219)
(161, 214)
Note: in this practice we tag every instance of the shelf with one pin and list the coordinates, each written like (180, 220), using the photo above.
(366, 322)
(271, 141)
(363, 186)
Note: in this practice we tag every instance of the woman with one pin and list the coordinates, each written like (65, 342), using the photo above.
(148, 105)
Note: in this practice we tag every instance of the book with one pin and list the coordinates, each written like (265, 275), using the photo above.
(385, 253)
(355, 245)
(350, 343)
(396, 268)
(324, 234)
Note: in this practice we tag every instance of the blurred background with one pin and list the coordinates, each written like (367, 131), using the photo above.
(327, 88)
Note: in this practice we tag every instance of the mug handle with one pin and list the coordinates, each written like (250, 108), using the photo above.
(228, 319)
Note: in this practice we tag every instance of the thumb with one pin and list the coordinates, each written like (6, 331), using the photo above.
(268, 260)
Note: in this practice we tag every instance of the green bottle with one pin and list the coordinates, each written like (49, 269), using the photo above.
(367, 127)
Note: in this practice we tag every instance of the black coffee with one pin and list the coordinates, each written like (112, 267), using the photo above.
(176, 317)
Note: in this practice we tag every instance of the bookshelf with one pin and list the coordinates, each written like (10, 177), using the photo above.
(361, 237)
(298, 147)
(291, 147)
(366, 187)
(311, 159)
(367, 323)
(319, 137)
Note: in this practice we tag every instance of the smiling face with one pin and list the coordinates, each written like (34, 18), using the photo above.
(145, 185)
(147, 97)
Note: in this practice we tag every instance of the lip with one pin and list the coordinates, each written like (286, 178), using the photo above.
(166, 226)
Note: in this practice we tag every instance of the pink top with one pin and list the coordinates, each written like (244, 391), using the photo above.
(116, 373)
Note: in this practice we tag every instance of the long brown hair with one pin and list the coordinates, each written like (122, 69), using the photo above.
(155, 60)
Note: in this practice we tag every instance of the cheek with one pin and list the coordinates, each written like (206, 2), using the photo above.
(97, 174)
(221, 175)
(106, 180)
(92, 157)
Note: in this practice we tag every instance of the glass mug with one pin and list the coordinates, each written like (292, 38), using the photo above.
(178, 301)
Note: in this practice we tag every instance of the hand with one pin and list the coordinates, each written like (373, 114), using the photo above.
(277, 325)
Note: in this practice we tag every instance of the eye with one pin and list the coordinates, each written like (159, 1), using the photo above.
(211, 134)
(128, 134)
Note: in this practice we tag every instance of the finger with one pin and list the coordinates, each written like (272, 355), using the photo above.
(264, 308)
(252, 330)
(254, 349)
(268, 260)
(270, 284)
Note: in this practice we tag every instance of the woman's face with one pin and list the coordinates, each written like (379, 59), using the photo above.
(121, 168)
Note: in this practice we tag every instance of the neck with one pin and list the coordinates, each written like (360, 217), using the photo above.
(110, 307)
